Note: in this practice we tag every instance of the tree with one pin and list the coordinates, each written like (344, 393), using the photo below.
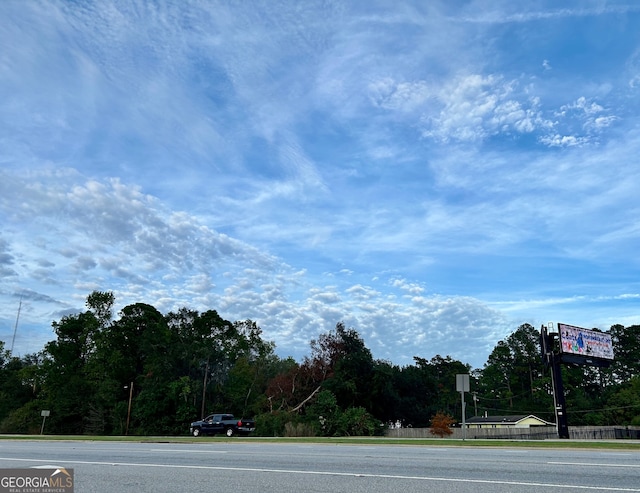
(19, 384)
(324, 414)
(417, 392)
(624, 405)
(443, 372)
(384, 391)
(67, 389)
(626, 348)
(352, 368)
(132, 356)
(441, 425)
(513, 380)
(101, 305)
(254, 365)
(186, 363)
(292, 389)
(339, 362)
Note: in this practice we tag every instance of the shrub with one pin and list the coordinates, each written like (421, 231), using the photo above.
(272, 424)
(356, 421)
(441, 424)
(299, 430)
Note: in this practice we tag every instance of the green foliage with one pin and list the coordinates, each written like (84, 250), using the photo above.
(172, 369)
(514, 380)
(273, 424)
(626, 342)
(18, 381)
(101, 305)
(324, 414)
(356, 421)
(624, 404)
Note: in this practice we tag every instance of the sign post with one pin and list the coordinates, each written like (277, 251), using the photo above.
(44, 415)
(462, 386)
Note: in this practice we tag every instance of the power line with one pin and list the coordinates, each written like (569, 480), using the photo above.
(606, 409)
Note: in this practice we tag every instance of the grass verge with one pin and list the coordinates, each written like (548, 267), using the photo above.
(428, 442)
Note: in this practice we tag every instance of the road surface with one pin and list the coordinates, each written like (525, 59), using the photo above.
(245, 466)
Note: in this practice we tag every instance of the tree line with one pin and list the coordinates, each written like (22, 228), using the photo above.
(148, 373)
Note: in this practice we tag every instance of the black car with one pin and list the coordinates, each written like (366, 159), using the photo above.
(222, 423)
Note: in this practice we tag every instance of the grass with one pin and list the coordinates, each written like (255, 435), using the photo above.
(428, 442)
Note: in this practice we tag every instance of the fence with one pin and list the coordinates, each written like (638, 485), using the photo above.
(533, 433)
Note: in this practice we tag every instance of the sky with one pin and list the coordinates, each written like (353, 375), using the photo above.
(432, 174)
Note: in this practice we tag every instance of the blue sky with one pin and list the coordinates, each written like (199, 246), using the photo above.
(433, 174)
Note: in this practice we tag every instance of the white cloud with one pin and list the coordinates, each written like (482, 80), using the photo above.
(134, 241)
(558, 140)
(467, 108)
(305, 164)
(507, 12)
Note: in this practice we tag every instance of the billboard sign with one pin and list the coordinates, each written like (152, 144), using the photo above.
(578, 345)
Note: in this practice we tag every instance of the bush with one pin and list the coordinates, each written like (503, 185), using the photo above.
(356, 421)
(299, 430)
(324, 414)
(273, 424)
(26, 420)
(441, 424)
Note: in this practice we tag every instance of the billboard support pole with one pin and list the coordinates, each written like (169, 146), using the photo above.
(553, 360)
(578, 346)
(558, 397)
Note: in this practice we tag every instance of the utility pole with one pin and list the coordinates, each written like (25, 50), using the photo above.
(204, 390)
(129, 409)
(15, 329)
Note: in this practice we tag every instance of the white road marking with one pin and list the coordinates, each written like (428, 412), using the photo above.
(189, 451)
(343, 474)
(593, 464)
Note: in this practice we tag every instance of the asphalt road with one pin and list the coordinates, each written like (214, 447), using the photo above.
(244, 466)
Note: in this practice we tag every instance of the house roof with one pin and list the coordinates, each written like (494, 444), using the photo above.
(513, 419)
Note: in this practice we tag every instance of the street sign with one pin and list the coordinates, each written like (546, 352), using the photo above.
(462, 382)
(44, 415)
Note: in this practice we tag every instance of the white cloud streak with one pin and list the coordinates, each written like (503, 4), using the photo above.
(408, 169)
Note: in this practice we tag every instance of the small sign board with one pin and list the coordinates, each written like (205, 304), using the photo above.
(462, 382)
(45, 413)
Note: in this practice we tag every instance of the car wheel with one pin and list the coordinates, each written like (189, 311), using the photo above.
(230, 432)
(196, 432)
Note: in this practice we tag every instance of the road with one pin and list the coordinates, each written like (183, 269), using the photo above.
(243, 466)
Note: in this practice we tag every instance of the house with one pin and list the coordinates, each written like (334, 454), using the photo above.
(516, 421)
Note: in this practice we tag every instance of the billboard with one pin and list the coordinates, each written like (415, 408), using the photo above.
(582, 344)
